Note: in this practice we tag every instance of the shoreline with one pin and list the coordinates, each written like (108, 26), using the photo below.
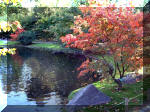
(53, 47)
(56, 47)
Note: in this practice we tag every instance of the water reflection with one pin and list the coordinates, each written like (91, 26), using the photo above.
(3, 70)
(37, 90)
(3, 96)
(39, 77)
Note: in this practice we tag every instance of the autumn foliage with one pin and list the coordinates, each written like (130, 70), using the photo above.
(14, 36)
(119, 29)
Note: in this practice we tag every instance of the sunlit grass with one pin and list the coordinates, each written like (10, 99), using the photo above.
(3, 42)
(45, 45)
(128, 91)
(12, 42)
(110, 89)
(54, 46)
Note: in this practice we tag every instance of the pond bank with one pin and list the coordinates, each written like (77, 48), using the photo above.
(107, 88)
(54, 47)
(40, 77)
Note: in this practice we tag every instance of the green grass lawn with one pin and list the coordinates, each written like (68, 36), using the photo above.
(128, 91)
(2, 42)
(12, 43)
(56, 47)
(40, 45)
(47, 45)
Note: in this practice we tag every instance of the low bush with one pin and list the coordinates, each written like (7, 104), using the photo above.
(26, 37)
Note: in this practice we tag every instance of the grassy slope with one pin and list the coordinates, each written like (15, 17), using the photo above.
(109, 88)
(38, 45)
(56, 47)
(47, 45)
(1, 42)
(12, 43)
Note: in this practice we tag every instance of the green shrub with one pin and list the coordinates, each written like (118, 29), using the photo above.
(61, 21)
(49, 23)
(26, 37)
(54, 22)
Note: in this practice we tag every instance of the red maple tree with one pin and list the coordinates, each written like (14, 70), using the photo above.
(120, 30)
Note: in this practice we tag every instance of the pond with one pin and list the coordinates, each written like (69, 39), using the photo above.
(36, 77)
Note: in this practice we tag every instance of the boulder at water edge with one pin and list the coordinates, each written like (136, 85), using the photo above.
(89, 95)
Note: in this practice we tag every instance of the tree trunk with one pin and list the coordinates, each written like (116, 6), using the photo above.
(119, 83)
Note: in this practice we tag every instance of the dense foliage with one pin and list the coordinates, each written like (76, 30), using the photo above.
(26, 37)
(119, 29)
(48, 22)
(14, 36)
(6, 26)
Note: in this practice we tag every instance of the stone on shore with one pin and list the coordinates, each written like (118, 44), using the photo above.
(89, 95)
(131, 78)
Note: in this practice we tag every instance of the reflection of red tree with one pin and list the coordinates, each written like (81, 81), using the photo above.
(17, 59)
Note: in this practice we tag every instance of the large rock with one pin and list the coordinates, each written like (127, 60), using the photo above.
(130, 78)
(89, 95)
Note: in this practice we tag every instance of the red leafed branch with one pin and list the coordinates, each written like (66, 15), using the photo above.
(15, 35)
(119, 29)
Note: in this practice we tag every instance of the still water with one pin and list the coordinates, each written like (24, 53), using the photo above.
(34, 77)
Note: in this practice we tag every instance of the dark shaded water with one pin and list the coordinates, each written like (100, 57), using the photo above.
(33, 77)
